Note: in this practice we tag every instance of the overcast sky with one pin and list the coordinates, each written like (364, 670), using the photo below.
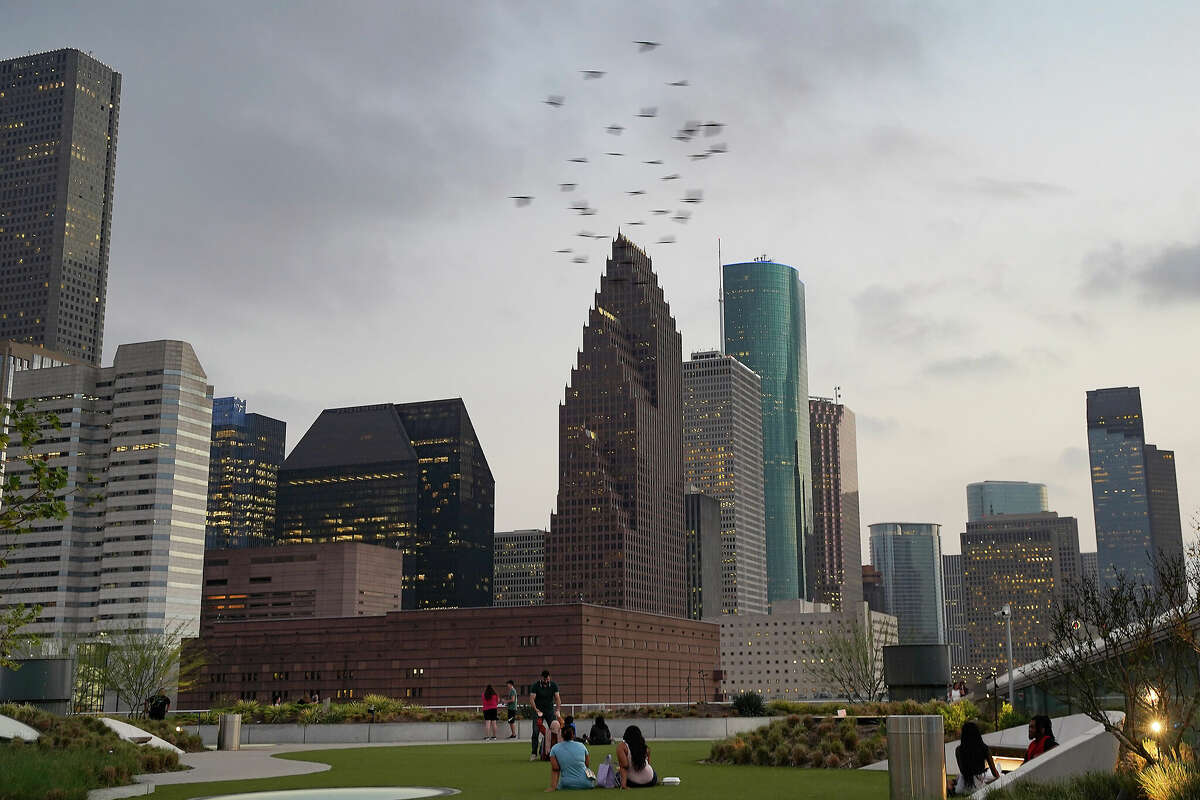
(993, 207)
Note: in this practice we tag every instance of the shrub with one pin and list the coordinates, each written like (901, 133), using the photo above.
(832, 761)
(1170, 780)
(1010, 718)
(749, 704)
(762, 756)
(799, 755)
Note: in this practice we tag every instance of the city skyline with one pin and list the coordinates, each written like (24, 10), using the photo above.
(908, 372)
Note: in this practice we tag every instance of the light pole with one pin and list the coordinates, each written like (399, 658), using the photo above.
(1006, 613)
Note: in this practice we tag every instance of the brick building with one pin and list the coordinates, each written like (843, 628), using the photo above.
(447, 656)
(337, 579)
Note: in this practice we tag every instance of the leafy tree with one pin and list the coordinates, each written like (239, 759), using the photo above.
(852, 662)
(139, 664)
(28, 495)
(1136, 640)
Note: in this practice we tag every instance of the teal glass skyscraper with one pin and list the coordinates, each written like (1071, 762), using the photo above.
(764, 329)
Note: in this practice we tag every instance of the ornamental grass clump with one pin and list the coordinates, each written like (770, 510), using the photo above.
(796, 741)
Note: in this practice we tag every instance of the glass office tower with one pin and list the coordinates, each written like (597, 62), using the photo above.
(243, 475)
(990, 498)
(58, 146)
(765, 330)
(1134, 494)
(909, 557)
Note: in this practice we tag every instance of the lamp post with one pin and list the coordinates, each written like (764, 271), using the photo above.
(1006, 613)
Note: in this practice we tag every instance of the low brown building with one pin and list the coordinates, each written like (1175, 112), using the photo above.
(447, 656)
(342, 579)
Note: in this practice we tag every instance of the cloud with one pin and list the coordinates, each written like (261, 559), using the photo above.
(1074, 459)
(887, 315)
(879, 427)
(1002, 189)
(965, 366)
(1171, 274)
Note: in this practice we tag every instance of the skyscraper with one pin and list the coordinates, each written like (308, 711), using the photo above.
(58, 145)
(956, 614)
(1027, 562)
(835, 562)
(519, 568)
(908, 555)
(702, 537)
(617, 537)
(722, 457)
(763, 306)
(410, 476)
(243, 476)
(989, 498)
(1134, 496)
(134, 440)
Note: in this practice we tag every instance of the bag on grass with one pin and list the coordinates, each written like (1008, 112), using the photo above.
(606, 775)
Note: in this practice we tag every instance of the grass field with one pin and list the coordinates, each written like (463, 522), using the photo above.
(500, 770)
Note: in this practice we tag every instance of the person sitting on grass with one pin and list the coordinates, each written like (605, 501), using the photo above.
(569, 763)
(633, 757)
(973, 757)
(599, 734)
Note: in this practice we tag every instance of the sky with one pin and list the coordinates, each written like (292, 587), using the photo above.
(993, 207)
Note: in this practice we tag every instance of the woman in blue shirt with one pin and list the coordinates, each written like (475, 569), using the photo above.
(569, 763)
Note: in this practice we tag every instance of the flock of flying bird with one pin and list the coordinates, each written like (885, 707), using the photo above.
(691, 132)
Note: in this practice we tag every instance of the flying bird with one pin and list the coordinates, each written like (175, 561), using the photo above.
(682, 216)
(678, 83)
(718, 148)
(694, 196)
(555, 100)
(579, 260)
(646, 47)
(674, 176)
(639, 222)
(586, 234)
(614, 154)
(690, 128)
(656, 162)
(522, 199)
(667, 240)
(649, 111)
(636, 192)
(597, 236)
(567, 187)
(592, 74)
(565, 250)
(713, 128)
(587, 212)
(699, 156)
(614, 129)
(578, 205)
(661, 211)
(578, 160)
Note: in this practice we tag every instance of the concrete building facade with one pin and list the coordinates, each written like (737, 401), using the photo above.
(58, 149)
(519, 574)
(835, 558)
(135, 443)
(722, 457)
(301, 581)
(956, 614)
(908, 556)
(1027, 562)
(596, 654)
(778, 655)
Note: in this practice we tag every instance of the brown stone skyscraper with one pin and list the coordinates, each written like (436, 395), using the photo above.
(835, 568)
(617, 538)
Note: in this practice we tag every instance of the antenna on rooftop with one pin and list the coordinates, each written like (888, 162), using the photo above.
(720, 297)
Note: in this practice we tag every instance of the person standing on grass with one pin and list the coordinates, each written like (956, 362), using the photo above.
(491, 701)
(545, 699)
(510, 705)
(569, 761)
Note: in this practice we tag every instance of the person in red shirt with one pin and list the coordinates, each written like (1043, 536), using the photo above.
(491, 701)
(1041, 737)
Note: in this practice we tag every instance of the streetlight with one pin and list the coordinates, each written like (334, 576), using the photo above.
(1005, 613)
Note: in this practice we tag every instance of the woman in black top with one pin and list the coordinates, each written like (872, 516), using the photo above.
(973, 757)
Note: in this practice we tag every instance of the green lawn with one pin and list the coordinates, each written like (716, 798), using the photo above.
(502, 770)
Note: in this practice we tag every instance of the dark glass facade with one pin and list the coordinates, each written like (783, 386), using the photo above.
(243, 476)
(58, 144)
(412, 477)
(1134, 496)
(617, 536)
(908, 556)
(765, 330)
(835, 558)
(702, 531)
